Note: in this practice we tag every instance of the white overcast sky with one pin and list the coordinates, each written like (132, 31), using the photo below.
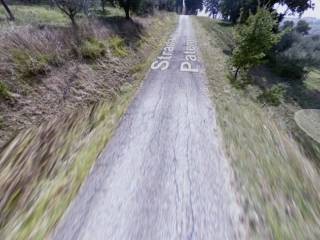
(308, 13)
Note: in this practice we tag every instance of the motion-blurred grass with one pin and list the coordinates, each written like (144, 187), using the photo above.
(279, 187)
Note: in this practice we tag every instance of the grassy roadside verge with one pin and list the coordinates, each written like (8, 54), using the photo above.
(44, 14)
(279, 187)
(43, 168)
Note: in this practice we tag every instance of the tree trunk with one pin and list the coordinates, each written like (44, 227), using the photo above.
(236, 74)
(75, 28)
(127, 11)
(86, 7)
(103, 5)
(11, 17)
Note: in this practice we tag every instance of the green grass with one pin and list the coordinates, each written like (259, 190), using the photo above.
(92, 49)
(274, 95)
(276, 181)
(30, 64)
(312, 81)
(117, 46)
(31, 14)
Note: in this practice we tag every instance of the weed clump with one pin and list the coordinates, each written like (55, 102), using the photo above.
(3, 90)
(117, 46)
(30, 64)
(92, 49)
(273, 95)
(241, 82)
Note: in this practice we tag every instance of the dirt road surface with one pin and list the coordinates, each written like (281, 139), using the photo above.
(163, 175)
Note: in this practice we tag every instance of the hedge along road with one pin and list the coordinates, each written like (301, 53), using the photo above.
(163, 175)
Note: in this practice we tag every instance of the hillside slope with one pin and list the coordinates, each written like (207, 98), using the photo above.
(71, 107)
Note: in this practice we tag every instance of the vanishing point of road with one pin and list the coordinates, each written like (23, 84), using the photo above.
(163, 175)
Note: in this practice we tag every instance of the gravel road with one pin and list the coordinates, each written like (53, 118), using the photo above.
(163, 175)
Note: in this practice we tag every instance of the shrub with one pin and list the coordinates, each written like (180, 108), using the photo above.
(117, 46)
(273, 95)
(92, 49)
(30, 64)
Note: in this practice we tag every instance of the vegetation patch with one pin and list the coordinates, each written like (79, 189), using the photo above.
(117, 46)
(32, 14)
(3, 90)
(92, 49)
(30, 64)
(278, 185)
(273, 95)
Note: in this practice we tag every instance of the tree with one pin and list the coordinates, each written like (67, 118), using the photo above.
(168, 5)
(129, 5)
(232, 9)
(147, 7)
(11, 16)
(179, 6)
(254, 39)
(71, 8)
(103, 5)
(212, 7)
(288, 25)
(295, 54)
(303, 27)
(193, 6)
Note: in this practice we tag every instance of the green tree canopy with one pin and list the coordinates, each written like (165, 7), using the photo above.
(288, 25)
(254, 39)
(232, 9)
(129, 5)
(212, 7)
(303, 27)
(193, 6)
